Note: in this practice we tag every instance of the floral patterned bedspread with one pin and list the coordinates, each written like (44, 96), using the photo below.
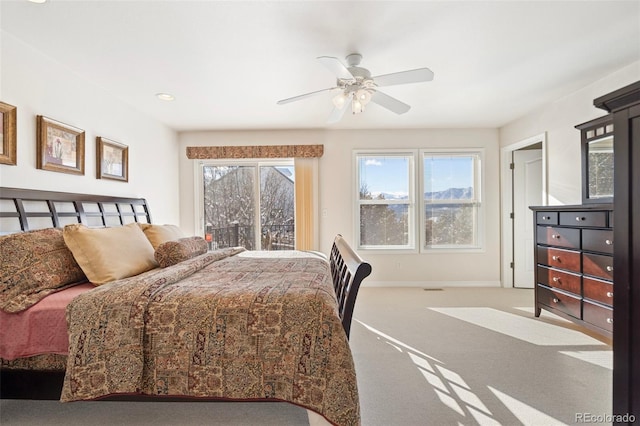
(229, 324)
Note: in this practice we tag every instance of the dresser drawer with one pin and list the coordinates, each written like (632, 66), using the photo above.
(598, 315)
(600, 240)
(559, 279)
(559, 258)
(598, 290)
(560, 237)
(547, 218)
(582, 219)
(598, 265)
(562, 301)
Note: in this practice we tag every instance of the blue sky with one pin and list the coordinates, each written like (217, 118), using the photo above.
(389, 174)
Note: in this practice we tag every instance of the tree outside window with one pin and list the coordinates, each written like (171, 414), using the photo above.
(249, 205)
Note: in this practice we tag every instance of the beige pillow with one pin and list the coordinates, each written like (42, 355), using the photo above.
(107, 254)
(158, 234)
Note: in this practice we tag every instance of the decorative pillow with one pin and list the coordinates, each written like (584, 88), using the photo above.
(158, 234)
(176, 251)
(35, 264)
(107, 254)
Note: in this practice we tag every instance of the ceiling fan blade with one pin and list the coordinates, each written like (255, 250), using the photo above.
(403, 77)
(392, 104)
(337, 113)
(336, 67)
(306, 95)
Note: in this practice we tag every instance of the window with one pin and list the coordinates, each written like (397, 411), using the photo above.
(446, 186)
(385, 200)
(249, 204)
(451, 198)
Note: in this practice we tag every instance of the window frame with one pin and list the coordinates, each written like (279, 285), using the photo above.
(410, 154)
(256, 163)
(478, 187)
(417, 202)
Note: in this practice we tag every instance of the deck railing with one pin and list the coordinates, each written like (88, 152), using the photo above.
(274, 237)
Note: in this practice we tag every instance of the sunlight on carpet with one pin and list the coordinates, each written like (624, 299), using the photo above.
(463, 357)
(456, 394)
(394, 342)
(599, 358)
(524, 412)
(518, 327)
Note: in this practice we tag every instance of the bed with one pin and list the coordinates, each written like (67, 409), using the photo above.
(199, 324)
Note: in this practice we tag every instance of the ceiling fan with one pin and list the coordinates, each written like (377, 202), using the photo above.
(356, 87)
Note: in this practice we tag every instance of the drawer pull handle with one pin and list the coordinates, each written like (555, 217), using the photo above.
(608, 242)
(556, 279)
(610, 320)
(556, 236)
(546, 218)
(609, 294)
(556, 300)
(556, 258)
(609, 268)
(578, 218)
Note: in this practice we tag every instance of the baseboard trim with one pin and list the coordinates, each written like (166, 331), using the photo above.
(432, 284)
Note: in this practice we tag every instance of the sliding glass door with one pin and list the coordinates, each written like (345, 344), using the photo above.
(250, 205)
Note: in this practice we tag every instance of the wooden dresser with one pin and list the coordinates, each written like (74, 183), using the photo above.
(574, 264)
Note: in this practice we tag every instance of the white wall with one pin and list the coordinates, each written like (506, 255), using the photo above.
(39, 85)
(335, 187)
(564, 175)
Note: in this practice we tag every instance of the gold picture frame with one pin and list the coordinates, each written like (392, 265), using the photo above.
(8, 141)
(112, 160)
(60, 147)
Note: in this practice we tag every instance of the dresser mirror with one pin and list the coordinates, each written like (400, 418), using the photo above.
(597, 160)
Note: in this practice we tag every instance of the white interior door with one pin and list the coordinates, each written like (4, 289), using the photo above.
(527, 191)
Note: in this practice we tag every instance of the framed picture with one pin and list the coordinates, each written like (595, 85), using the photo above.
(8, 134)
(60, 147)
(112, 160)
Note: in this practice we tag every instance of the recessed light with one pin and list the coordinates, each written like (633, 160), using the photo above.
(38, 1)
(165, 96)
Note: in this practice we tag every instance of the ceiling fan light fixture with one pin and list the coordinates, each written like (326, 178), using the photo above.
(357, 106)
(339, 100)
(363, 96)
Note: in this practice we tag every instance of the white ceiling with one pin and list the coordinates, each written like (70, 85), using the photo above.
(227, 63)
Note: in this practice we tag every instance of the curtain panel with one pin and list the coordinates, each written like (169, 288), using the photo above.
(306, 183)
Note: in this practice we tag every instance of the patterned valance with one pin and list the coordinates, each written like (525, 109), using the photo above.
(254, 151)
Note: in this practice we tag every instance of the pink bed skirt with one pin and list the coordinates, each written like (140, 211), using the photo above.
(41, 329)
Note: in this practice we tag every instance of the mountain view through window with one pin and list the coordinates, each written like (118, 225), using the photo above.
(447, 191)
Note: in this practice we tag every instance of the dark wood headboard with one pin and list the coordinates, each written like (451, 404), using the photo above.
(27, 209)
